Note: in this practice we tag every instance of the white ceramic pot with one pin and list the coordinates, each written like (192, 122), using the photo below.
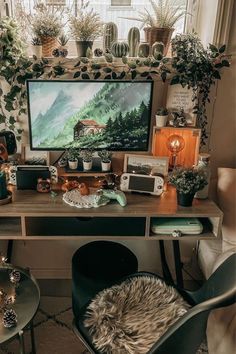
(87, 166)
(106, 166)
(161, 120)
(73, 165)
(37, 50)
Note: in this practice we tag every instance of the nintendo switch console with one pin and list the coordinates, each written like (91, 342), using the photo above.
(26, 176)
(141, 183)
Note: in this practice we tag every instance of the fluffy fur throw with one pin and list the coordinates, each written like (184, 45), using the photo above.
(131, 317)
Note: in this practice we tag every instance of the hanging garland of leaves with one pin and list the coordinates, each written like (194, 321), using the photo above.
(192, 66)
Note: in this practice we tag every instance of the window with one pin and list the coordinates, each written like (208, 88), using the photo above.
(120, 2)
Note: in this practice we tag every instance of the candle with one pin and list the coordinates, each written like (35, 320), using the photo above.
(3, 185)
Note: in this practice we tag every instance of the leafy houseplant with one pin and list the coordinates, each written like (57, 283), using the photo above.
(85, 27)
(161, 117)
(72, 156)
(187, 182)
(160, 22)
(46, 24)
(105, 156)
(197, 68)
(87, 157)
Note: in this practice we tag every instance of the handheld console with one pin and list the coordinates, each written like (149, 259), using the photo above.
(130, 182)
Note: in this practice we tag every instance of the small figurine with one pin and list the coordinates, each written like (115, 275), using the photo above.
(84, 190)
(44, 185)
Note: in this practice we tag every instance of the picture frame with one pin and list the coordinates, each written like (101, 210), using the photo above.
(33, 157)
(146, 164)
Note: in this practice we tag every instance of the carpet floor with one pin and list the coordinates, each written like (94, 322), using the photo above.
(53, 330)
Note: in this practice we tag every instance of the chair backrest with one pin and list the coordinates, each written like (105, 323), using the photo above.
(187, 334)
(221, 281)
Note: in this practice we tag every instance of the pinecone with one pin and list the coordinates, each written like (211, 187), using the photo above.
(98, 52)
(63, 52)
(15, 276)
(56, 52)
(9, 318)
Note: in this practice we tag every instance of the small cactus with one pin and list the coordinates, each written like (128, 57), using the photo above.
(133, 40)
(143, 50)
(119, 49)
(158, 50)
(108, 57)
(110, 35)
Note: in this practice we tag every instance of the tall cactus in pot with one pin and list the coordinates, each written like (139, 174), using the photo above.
(133, 41)
(110, 35)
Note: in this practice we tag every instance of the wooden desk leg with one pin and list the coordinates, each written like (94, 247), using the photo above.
(22, 343)
(165, 268)
(178, 264)
(9, 250)
(33, 348)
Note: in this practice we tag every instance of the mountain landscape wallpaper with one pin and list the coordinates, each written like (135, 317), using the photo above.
(99, 115)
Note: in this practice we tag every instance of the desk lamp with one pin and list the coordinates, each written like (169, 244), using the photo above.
(175, 143)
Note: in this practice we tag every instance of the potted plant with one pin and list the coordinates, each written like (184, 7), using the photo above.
(105, 156)
(85, 27)
(161, 117)
(72, 157)
(187, 182)
(87, 157)
(37, 47)
(46, 24)
(159, 24)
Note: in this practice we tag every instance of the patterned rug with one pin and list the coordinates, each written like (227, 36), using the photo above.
(53, 330)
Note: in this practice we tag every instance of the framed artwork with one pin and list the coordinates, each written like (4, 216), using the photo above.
(32, 157)
(146, 165)
(178, 98)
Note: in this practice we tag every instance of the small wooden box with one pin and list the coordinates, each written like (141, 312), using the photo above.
(185, 158)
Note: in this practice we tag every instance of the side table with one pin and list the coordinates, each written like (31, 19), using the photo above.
(25, 306)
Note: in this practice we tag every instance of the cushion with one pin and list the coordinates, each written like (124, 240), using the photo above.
(132, 316)
(226, 193)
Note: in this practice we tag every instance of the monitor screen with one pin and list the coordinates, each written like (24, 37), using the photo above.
(112, 115)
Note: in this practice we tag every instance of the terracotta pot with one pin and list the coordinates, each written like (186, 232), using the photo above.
(82, 47)
(184, 199)
(48, 45)
(156, 34)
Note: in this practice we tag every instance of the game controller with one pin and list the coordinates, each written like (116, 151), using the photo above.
(14, 169)
(117, 195)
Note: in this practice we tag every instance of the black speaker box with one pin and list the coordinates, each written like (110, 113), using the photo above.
(27, 178)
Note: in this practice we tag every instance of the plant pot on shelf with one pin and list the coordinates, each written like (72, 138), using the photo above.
(87, 165)
(106, 166)
(48, 45)
(185, 199)
(157, 34)
(161, 120)
(82, 47)
(73, 164)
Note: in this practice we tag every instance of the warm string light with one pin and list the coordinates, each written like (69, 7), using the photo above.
(6, 300)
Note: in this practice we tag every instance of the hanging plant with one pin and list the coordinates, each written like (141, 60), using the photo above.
(197, 68)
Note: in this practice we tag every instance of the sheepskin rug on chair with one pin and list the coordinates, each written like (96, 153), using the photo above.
(131, 317)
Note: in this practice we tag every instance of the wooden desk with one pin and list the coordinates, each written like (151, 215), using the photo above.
(36, 216)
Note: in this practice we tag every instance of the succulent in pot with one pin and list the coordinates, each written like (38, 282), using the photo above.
(187, 182)
(87, 157)
(105, 156)
(72, 157)
(85, 27)
(162, 117)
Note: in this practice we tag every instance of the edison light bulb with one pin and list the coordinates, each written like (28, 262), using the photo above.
(175, 143)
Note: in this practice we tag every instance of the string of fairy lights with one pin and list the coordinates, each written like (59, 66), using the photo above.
(9, 316)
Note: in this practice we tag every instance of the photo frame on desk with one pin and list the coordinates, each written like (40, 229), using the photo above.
(146, 164)
(33, 157)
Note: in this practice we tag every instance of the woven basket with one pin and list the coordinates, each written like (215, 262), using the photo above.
(156, 34)
(48, 44)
